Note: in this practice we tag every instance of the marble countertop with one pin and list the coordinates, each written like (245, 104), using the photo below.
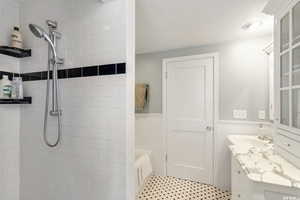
(262, 164)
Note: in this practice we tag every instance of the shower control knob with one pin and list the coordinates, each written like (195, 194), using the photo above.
(56, 112)
(60, 61)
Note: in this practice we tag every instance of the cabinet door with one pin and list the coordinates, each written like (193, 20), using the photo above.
(296, 108)
(241, 186)
(284, 107)
(296, 67)
(289, 69)
(296, 23)
(285, 32)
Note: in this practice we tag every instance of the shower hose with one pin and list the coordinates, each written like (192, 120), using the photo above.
(56, 111)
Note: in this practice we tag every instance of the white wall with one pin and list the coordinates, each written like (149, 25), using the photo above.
(9, 114)
(243, 75)
(244, 84)
(91, 160)
(150, 136)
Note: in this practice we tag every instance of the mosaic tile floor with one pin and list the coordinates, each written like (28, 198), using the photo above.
(169, 188)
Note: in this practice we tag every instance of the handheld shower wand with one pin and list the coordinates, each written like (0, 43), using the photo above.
(53, 61)
(40, 33)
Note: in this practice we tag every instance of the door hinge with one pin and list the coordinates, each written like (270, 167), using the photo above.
(166, 157)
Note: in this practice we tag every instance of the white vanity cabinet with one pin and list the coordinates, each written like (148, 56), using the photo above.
(243, 188)
(240, 184)
(259, 173)
(287, 80)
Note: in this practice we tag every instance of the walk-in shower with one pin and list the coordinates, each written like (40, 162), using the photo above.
(53, 62)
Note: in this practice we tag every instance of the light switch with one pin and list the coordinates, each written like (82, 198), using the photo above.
(262, 114)
(240, 114)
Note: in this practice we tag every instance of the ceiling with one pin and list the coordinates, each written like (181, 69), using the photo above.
(171, 24)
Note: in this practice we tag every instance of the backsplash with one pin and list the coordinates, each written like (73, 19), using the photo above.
(97, 70)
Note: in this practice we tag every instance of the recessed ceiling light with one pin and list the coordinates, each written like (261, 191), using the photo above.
(252, 25)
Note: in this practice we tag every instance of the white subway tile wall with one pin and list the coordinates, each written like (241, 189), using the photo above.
(90, 163)
(9, 114)
(9, 151)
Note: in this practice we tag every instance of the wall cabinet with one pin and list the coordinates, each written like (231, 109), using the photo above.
(287, 80)
(287, 54)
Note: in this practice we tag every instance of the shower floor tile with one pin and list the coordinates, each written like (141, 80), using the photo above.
(170, 188)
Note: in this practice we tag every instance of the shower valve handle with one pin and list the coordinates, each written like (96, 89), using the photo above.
(59, 61)
(55, 112)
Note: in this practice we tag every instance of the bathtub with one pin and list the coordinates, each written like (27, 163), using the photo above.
(143, 168)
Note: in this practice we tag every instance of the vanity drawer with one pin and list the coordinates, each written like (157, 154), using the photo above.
(288, 143)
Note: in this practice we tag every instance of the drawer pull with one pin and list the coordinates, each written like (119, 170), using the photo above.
(239, 172)
(239, 196)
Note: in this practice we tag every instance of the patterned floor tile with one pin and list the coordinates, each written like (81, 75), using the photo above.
(170, 188)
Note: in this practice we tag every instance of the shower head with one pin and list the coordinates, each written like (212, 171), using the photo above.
(37, 31)
(40, 33)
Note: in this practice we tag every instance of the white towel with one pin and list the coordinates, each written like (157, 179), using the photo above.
(146, 167)
(141, 96)
(143, 169)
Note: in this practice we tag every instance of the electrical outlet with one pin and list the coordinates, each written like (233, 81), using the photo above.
(262, 114)
(240, 114)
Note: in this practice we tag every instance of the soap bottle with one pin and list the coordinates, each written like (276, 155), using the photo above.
(19, 88)
(15, 88)
(6, 87)
(16, 38)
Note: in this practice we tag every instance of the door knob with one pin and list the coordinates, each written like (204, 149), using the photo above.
(209, 128)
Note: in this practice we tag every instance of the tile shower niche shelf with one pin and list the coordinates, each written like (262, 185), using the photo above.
(26, 100)
(15, 52)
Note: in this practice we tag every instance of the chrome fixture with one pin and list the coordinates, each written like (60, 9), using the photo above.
(266, 138)
(53, 62)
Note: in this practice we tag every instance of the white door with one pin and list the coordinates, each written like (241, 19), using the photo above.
(188, 111)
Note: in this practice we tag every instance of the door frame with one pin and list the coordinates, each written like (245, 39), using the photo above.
(215, 57)
(130, 98)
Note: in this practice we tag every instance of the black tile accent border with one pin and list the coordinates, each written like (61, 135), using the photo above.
(97, 70)
(121, 68)
(90, 71)
(9, 74)
(63, 73)
(75, 72)
(107, 69)
(45, 75)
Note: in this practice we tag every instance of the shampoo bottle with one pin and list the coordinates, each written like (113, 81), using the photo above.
(16, 38)
(6, 87)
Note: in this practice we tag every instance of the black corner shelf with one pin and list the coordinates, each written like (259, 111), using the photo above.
(15, 52)
(25, 100)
